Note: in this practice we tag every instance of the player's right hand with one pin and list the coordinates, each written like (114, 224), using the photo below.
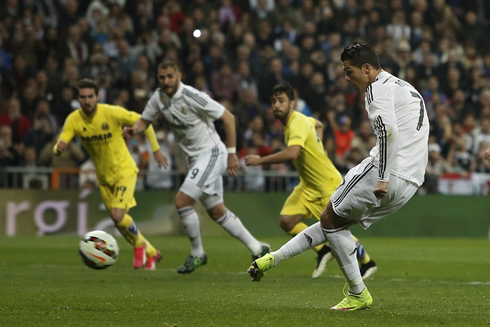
(127, 132)
(160, 158)
(487, 154)
(252, 160)
(61, 147)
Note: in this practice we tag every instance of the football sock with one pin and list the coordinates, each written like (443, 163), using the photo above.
(345, 251)
(233, 225)
(362, 256)
(150, 250)
(305, 240)
(298, 229)
(190, 221)
(129, 231)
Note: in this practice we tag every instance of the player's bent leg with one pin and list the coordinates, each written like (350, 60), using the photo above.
(127, 227)
(342, 242)
(184, 204)
(234, 226)
(307, 239)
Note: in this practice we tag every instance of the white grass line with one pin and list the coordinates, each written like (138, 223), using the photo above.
(241, 273)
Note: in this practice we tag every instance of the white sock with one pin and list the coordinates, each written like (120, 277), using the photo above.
(190, 221)
(233, 225)
(344, 249)
(305, 240)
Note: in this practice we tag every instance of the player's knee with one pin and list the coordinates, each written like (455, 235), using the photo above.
(286, 223)
(326, 216)
(182, 200)
(217, 211)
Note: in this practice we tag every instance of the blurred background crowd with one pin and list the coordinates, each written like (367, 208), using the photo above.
(236, 50)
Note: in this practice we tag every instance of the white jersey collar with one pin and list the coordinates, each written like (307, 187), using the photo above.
(381, 75)
(178, 94)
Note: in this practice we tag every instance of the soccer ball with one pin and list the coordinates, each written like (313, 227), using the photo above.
(98, 249)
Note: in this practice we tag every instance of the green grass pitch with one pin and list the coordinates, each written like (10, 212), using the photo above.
(420, 282)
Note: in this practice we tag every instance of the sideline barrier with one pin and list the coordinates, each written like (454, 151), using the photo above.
(28, 212)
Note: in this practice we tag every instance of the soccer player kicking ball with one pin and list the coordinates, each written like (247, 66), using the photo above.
(99, 128)
(379, 185)
(190, 114)
(318, 176)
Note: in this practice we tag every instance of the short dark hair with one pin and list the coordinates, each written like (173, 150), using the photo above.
(87, 83)
(283, 88)
(168, 63)
(360, 53)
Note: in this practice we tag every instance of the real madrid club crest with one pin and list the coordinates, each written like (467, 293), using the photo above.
(183, 111)
(105, 127)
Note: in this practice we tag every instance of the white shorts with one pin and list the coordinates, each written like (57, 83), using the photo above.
(354, 198)
(204, 180)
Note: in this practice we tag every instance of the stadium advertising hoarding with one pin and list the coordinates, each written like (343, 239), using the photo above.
(29, 212)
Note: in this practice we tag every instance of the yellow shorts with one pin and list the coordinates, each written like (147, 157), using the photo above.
(121, 193)
(299, 203)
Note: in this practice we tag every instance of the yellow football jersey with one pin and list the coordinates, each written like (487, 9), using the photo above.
(101, 136)
(318, 175)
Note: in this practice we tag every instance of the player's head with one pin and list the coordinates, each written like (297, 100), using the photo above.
(282, 100)
(169, 77)
(361, 64)
(88, 95)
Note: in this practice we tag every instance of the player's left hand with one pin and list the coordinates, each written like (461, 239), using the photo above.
(381, 190)
(487, 154)
(160, 158)
(232, 165)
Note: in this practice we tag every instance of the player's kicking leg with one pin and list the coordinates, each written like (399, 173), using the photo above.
(358, 296)
(293, 226)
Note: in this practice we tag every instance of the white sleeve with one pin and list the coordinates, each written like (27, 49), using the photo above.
(200, 101)
(382, 114)
(151, 110)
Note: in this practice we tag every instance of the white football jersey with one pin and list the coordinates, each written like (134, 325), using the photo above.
(399, 118)
(190, 114)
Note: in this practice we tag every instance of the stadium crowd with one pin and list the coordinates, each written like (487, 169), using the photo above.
(236, 50)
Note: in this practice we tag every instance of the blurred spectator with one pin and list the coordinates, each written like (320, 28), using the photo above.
(342, 132)
(235, 51)
(436, 167)
(225, 84)
(72, 157)
(18, 123)
(459, 159)
(41, 133)
(160, 178)
(483, 135)
(361, 140)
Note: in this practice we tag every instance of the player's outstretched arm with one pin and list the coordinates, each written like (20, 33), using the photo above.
(289, 154)
(160, 158)
(67, 134)
(230, 130)
(140, 126)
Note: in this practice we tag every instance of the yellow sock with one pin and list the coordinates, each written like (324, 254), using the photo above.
(362, 255)
(298, 229)
(150, 250)
(128, 229)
